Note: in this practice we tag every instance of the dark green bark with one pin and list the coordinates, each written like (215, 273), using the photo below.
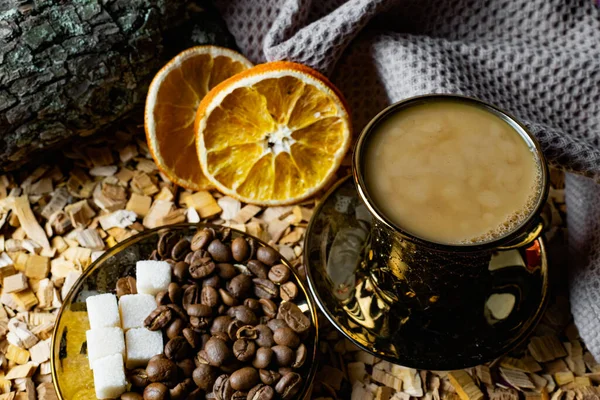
(75, 67)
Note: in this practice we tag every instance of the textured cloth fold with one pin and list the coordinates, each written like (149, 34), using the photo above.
(537, 59)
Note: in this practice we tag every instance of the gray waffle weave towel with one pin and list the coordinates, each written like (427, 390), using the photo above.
(537, 59)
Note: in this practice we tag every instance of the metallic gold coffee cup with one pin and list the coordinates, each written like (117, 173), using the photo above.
(453, 296)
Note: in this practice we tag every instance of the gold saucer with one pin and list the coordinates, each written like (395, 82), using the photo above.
(484, 319)
(72, 377)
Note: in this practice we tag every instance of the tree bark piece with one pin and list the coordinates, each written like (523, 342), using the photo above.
(72, 68)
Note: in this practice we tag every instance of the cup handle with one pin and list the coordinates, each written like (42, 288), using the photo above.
(526, 239)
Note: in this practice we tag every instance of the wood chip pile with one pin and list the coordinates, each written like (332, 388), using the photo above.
(56, 219)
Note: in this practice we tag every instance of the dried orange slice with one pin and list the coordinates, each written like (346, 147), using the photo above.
(171, 104)
(272, 135)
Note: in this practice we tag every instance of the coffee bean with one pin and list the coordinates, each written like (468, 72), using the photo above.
(233, 328)
(258, 269)
(227, 298)
(289, 385)
(170, 261)
(269, 377)
(126, 285)
(204, 339)
(192, 337)
(154, 256)
(201, 358)
(213, 281)
(301, 354)
(177, 348)
(166, 242)
(191, 295)
(222, 388)
(243, 314)
(209, 296)
(288, 291)
(222, 309)
(131, 396)
(138, 377)
(261, 392)
(223, 336)
(244, 349)
(175, 292)
(217, 351)
(186, 367)
(239, 395)
(161, 369)
(279, 273)
(267, 255)
(294, 317)
(156, 391)
(180, 391)
(202, 268)
(188, 257)
(201, 239)
(240, 286)
(177, 311)
(264, 336)
(180, 250)
(158, 318)
(252, 304)
(199, 310)
(286, 337)
(181, 271)
(219, 251)
(269, 307)
(226, 271)
(245, 332)
(276, 323)
(175, 328)
(265, 289)
(244, 378)
(240, 249)
(200, 323)
(197, 256)
(162, 298)
(224, 233)
(205, 376)
(263, 357)
(220, 324)
(284, 356)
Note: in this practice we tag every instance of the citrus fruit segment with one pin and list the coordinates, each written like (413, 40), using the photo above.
(171, 104)
(272, 135)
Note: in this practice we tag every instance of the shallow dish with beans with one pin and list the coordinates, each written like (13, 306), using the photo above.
(236, 320)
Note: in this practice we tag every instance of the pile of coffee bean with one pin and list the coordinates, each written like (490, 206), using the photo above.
(231, 326)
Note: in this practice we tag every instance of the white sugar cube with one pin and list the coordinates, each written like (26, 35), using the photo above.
(152, 276)
(103, 311)
(142, 345)
(109, 377)
(135, 308)
(102, 342)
